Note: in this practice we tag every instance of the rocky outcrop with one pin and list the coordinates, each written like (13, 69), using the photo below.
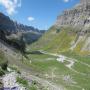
(79, 16)
(79, 19)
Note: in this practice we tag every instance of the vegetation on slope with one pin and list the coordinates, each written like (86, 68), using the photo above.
(55, 40)
(59, 40)
(47, 67)
(3, 61)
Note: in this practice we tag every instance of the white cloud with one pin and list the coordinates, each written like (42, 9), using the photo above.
(10, 5)
(66, 0)
(31, 18)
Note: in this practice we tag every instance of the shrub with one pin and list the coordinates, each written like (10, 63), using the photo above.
(1, 72)
(3, 61)
(4, 65)
(22, 81)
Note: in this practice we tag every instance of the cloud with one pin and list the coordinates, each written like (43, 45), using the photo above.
(31, 18)
(10, 5)
(66, 0)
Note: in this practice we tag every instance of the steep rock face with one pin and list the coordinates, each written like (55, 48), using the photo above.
(6, 24)
(79, 19)
(78, 16)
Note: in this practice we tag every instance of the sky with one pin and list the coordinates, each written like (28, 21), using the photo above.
(41, 14)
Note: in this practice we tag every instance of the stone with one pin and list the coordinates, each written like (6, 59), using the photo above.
(78, 16)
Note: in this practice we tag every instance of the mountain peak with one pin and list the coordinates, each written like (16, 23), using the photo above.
(84, 1)
(78, 16)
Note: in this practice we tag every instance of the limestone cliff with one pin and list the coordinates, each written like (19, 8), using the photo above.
(78, 16)
(79, 19)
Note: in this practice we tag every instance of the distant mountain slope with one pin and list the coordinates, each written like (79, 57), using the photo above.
(71, 32)
(13, 29)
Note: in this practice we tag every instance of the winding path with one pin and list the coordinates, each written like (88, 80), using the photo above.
(62, 59)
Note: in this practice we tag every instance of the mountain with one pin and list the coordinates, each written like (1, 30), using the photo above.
(58, 60)
(12, 26)
(71, 31)
(13, 29)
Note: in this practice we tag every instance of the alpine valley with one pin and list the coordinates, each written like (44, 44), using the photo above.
(56, 59)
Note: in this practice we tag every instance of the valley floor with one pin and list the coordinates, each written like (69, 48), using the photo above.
(57, 72)
(52, 71)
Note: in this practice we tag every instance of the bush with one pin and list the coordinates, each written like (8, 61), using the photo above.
(33, 88)
(15, 68)
(1, 72)
(22, 81)
(3, 61)
(4, 65)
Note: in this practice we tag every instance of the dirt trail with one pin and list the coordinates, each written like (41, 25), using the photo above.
(62, 58)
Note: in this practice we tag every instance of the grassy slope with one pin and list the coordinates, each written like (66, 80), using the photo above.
(78, 48)
(2, 58)
(44, 65)
(3, 62)
(59, 40)
(55, 40)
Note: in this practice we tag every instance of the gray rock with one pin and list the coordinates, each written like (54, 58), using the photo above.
(79, 18)
(76, 17)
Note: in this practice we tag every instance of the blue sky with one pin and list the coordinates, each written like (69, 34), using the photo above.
(38, 13)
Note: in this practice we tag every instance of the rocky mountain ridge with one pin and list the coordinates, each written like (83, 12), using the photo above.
(13, 27)
(78, 16)
(14, 30)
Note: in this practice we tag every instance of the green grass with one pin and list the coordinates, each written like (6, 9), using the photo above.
(58, 40)
(82, 68)
(2, 58)
(3, 63)
(42, 66)
(33, 87)
(2, 72)
(53, 41)
(22, 81)
(84, 58)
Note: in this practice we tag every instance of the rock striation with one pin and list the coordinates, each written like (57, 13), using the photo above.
(78, 16)
(79, 19)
